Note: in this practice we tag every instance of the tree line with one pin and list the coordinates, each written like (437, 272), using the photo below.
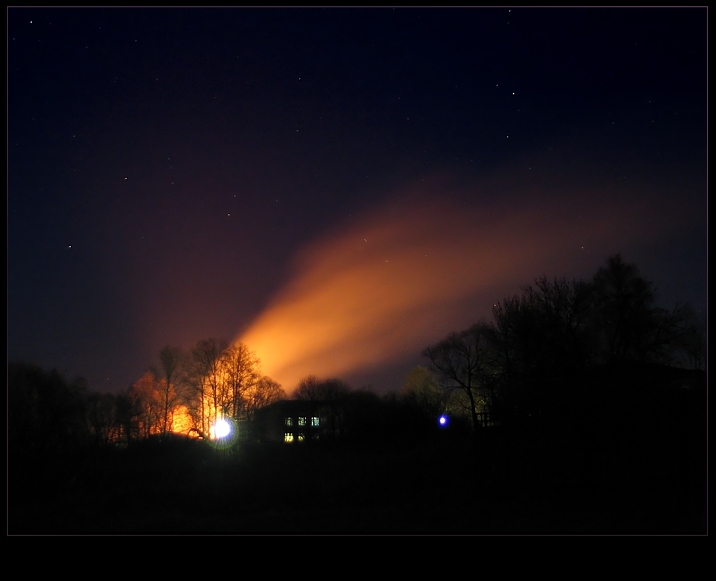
(542, 344)
(539, 348)
(185, 392)
(190, 390)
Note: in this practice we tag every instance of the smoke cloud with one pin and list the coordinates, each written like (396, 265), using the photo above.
(426, 263)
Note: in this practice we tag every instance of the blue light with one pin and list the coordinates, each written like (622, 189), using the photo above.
(443, 421)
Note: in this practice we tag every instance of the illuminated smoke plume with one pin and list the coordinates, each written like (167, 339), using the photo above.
(408, 273)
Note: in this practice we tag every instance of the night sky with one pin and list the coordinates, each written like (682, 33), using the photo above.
(337, 188)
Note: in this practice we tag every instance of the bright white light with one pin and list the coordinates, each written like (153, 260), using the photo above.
(222, 428)
(443, 421)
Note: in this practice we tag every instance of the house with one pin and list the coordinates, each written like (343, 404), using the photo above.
(297, 421)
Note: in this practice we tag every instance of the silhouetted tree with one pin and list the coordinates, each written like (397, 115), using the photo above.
(127, 416)
(262, 393)
(630, 328)
(624, 311)
(241, 374)
(540, 337)
(677, 338)
(421, 389)
(103, 419)
(168, 386)
(464, 361)
(45, 412)
(209, 397)
(312, 388)
(692, 340)
(147, 404)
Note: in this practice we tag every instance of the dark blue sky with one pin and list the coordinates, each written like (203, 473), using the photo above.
(169, 170)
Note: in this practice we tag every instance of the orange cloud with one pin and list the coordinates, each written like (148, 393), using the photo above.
(426, 263)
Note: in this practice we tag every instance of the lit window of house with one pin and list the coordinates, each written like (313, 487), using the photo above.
(288, 437)
(302, 421)
(289, 421)
(301, 437)
(315, 422)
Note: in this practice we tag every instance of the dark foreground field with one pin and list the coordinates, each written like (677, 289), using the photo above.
(444, 486)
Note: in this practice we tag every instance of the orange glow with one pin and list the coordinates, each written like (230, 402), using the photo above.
(427, 263)
(182, 421)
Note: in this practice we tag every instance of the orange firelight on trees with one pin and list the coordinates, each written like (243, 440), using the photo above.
(402, 276)
(182, 422)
